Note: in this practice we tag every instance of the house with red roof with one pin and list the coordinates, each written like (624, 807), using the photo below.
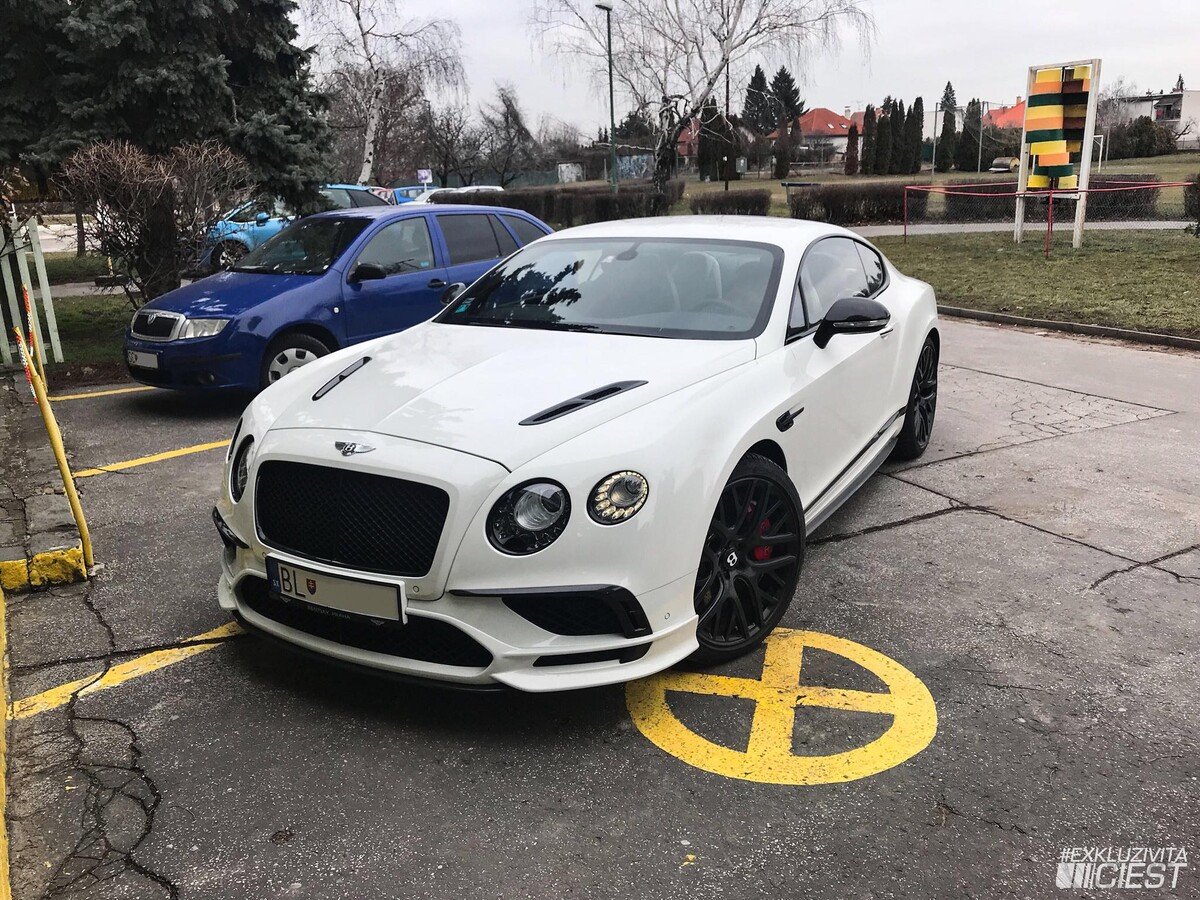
(1006, 116)
(821, 125)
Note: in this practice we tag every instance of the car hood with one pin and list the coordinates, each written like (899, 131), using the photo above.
(469, 387)
(227, 293)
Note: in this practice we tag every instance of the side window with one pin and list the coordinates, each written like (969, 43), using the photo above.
(525, 230)
(873, 265)
(400, 247)
(831, 270)
(469, 238)
(366, 198)
(338, 198)
(503, 238)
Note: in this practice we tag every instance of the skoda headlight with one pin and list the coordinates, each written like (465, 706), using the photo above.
(198, 328)
(529, 517)
(618, 497)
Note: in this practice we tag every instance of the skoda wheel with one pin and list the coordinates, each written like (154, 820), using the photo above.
(750, 562)
(287, 353)
(922, 405)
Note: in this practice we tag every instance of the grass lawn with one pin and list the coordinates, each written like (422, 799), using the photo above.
(92, 332)
(66, 267)
(1144, 280)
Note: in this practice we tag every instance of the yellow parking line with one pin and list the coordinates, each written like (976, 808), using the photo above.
(5, 887)
(153, 458)
(108, 393)
(119, 674)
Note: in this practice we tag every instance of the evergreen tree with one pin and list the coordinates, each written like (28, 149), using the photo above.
(966, 152)
(914, 127)
(866, 161)
(899, 161)
(883, 141)
(947, 139)
(759, 110)
(852, 150)
(786, 94)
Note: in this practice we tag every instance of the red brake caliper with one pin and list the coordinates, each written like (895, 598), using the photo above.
(762, 554)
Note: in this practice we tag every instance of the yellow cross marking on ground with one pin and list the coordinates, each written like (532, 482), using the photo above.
(777, 695)
(153, 458)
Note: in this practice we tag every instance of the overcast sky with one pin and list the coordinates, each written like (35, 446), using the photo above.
(982, 46)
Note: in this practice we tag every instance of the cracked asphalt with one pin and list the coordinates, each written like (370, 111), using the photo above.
(1038, 570)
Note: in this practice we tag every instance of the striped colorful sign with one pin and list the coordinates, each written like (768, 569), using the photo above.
(1055, 118)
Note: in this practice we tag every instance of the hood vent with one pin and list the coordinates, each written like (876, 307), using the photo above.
(340, 377)
(579, 402)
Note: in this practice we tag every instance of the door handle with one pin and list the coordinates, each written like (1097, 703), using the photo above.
(436, 283)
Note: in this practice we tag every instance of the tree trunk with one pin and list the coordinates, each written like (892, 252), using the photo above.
(374, 114)
(80, 243)
(160, 264)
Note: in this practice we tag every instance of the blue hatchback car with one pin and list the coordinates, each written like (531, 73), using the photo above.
(324, 282)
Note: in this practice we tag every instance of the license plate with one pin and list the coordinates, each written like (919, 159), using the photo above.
(364, 598)
(142, 359)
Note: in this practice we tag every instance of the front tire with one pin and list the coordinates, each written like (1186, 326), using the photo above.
(287, 353)
(750, 562)
(922, 405)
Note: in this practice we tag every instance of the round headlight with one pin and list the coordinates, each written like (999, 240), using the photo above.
(529, 518)
(240, 474)
(618, 497)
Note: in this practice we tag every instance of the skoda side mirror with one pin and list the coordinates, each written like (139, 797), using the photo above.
(851, 315)
(451, 292)
(366, 272)
(262, 218)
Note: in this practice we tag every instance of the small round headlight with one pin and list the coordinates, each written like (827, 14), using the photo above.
(240, 474)
(618, 497)
(529, 517)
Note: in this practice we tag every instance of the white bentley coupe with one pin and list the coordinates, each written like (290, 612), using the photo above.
(602, 457)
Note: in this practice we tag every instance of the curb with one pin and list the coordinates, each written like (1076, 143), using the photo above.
(40, 544)
(1124, 334)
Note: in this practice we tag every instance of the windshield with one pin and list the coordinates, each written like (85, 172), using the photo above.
(306, 247)
(673, 287)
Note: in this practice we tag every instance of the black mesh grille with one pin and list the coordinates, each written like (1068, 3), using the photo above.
(424, 639)
(367, 522)
(148, 323)
(607, 610)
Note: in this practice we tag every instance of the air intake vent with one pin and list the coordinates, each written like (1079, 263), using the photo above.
(574, 403)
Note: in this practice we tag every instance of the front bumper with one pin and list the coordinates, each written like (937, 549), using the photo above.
(224, 362)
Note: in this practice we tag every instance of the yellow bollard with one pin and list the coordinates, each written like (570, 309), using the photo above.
(60, 454)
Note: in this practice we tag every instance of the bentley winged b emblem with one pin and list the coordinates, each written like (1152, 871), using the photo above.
(349, 448)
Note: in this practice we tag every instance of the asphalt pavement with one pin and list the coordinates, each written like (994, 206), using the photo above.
(995, 648)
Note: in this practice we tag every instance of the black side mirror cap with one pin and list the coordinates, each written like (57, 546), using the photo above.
(366, 272)
(451, 292)
(851, 315)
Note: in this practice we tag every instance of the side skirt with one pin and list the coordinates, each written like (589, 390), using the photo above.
(854, 476)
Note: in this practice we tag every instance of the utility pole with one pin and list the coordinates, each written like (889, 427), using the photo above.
(606, 5)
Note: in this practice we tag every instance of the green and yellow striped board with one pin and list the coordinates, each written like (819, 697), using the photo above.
(1055, 119)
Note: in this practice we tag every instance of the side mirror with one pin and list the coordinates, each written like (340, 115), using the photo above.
(451, 292)
(366, 272)
(262, 219)
(851, 315)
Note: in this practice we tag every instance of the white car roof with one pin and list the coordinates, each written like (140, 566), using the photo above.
(790, 234)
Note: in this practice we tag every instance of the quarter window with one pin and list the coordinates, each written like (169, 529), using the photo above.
(503, 238)
(402, 246)
(525, 230)
(832, 269)
(469, 238)
(873, 265)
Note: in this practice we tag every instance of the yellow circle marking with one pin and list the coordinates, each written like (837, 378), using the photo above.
(768, 757)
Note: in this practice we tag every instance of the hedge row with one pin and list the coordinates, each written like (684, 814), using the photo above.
(562, 207)
(854, 204)
(973, 204)
(1191, 199)
(736, 203)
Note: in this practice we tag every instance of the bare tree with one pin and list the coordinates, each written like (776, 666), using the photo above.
(670, 56)
(508, 144)
(151, 213)
(454, 144)
(377, 41)
(398, 148)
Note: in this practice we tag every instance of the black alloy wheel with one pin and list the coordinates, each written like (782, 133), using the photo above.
(750, 561)
(922, 405)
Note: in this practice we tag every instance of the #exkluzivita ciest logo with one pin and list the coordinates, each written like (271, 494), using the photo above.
(1100, 868)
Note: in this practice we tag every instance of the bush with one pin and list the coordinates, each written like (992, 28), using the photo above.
(1123, 205)
(738, 203)
(854, 204)
(975, 205)
(1191, 199)
(563, 206)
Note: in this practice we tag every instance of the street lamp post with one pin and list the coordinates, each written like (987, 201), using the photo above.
(606, 5)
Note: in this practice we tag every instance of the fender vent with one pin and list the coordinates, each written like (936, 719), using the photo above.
(579, 402)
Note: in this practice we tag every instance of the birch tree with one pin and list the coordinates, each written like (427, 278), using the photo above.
(671, 56)
(371, 43)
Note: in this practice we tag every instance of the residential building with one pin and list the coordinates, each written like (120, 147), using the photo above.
(1178, 110)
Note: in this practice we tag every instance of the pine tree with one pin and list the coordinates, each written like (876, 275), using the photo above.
(852, 150)
(966, 152)
(759, 110)
(947, 140)
(914, 129)
(866, 161)
(899, 161)
(786, 95)
(883, 141)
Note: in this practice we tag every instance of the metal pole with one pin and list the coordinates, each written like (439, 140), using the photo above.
(933, 164)
(612, 112)
(728, 145)
(979, 158)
